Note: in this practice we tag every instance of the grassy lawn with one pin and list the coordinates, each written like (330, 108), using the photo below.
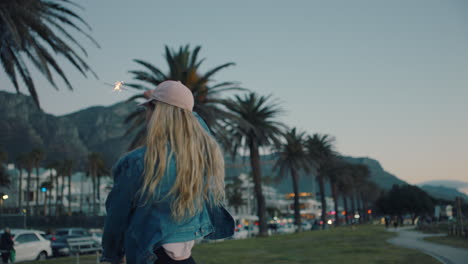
(366, 244)
(450, 241)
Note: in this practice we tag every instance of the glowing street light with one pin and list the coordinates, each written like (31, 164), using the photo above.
(5, 196)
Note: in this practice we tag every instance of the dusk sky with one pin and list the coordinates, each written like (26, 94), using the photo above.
(388, 79)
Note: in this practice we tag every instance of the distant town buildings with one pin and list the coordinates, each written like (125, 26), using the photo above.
(81, 193)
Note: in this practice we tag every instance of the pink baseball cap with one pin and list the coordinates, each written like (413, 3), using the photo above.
(173, 93)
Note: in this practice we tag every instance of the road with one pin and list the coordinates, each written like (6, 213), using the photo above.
(412, 239)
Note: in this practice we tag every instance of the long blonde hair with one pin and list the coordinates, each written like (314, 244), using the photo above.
(199, 161)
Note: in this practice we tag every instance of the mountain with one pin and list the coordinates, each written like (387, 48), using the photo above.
(102, 129)
(444, 193)
(459, 185)
(24, 127)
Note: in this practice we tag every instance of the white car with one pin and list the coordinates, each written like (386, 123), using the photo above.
(30, 245)
(286, 229)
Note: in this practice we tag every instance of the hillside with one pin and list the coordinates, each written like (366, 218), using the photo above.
(24, 127)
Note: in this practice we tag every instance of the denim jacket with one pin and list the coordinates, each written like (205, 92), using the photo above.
(135, 230)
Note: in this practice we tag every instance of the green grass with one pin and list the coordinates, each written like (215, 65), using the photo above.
(366, 244)
(449, 241)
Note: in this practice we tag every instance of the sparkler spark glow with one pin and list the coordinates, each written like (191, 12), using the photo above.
(118, 86)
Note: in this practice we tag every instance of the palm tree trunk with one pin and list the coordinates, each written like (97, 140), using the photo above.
(61, 194)
(335, 199)
(364, 208)
(297, 209)
(257, 178)
(98, 187)
(69, 193)
(28, 190)
(20, 189)
(81, 194)
(38, 191)
(93, 177)
(353, 208)
(56, 193)
(345, 204)
(323, 200)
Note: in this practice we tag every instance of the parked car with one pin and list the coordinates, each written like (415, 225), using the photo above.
(71, 231)
(60, 246)
(97, 236)
(286, 228)
(31, 245)
(240, 232)
(306, 226)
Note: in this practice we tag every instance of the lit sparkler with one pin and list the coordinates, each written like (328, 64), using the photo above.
(118, 86)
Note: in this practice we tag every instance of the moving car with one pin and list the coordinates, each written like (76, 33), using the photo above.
(30, 245)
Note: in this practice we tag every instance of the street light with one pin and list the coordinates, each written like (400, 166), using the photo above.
(4, 197)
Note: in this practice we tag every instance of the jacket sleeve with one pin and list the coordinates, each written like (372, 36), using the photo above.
(119, 208)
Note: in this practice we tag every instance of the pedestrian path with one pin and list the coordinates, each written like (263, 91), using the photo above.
(412, 239)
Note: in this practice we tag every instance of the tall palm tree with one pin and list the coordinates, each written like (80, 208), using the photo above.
(96, 168)
(184, 66)
(68, 171)
(344, 186)
(320, 151)
(49, 185)
(53, 179)
(4, 176)
(360, 175)
(38, 156)
(332, 170)
(368, 193)
(29, 165)
(254, 126)
(57, 166)
(293, 158)
(30, 30)
(234, 194)
(20, 164)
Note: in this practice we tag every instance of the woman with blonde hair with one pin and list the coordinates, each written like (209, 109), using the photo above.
(169, 192)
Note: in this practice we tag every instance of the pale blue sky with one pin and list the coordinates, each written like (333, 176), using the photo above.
(387, 78)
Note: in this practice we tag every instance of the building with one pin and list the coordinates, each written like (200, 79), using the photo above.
(81, 193)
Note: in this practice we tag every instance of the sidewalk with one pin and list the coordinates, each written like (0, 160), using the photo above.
(413, 239)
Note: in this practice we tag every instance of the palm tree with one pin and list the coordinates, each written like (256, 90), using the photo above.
(369, 192)
(344, 186)
(96, 168)
(332, 170)
(320, 151)
(360, 175)
(184, 66)
(234, 194)
(29, 165)
(4, 176)
(53, 179)
(20, 162)
(57, 166)
(253, 126)
(68, 171)
(49, 185)
(38, 156)
(32, 29)
(293, 158)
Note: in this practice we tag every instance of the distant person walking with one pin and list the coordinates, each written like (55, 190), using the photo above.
(387, 221)
(395, 222)
(169, 192)
(6, 245)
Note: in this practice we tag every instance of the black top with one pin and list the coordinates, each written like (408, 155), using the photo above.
(6, 242)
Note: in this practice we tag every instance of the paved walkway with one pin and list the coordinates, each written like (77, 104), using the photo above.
(413, 239)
